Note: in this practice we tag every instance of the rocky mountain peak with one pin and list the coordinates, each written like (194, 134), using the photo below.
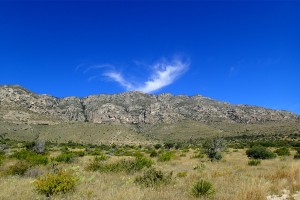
(136, 108)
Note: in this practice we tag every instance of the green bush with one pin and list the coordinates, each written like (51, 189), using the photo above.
(38, 160)
(198, 155)
(260, 152)
(202, 188)
(153, 178)
(22, 155)
(169, 145)
(79, 153)
(213, 148)
(153, 153)
(283, 151)
(67, 157)
(157, 146)
(54, 183)
(254, 162)
(94, 152)
(101, 157)
(166, 156)
(18, 168)
(64, 149)
(124, 165)
(141, 162)
(2, 156)
(31, 157)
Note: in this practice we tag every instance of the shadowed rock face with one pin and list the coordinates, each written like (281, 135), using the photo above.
(136, 108)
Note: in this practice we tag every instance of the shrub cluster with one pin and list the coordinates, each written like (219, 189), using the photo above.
(153, 178)
(153, 153)
(2, 156)
(67, 157)
(202, 188)
(18, 168)
(283, 151)
(31, 157)
(260, 152)
(166, 156)
(254, 162)
(121, 166)
(213, 148)
(54, 183)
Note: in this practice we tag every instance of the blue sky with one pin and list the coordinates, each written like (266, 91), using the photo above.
(238, 52)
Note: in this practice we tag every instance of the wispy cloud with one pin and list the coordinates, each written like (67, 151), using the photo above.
(118, 77)
(162, 73)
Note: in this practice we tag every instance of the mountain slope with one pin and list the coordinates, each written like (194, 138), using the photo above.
(159, 116)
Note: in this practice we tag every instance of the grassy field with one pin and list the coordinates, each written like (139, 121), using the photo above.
(232, 178)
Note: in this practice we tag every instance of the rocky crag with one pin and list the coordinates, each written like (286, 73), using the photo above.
(19, 104)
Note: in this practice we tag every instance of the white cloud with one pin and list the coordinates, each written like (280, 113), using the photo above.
(115, 76)
(163, 74)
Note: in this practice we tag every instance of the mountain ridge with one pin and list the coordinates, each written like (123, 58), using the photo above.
(133, 117)
(138, 108)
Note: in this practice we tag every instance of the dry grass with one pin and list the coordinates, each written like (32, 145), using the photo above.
(232, 179)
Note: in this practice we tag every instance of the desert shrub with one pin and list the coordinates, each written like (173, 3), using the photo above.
(213, 148)
(64, 149)
(157, 146)
(18, 168)
(181, 174)
(166, 156)
(67, 157)
(94, 152)
(260, 152)
(178, 146)
(2, 156)
(297, 156)
(22, 155)
(153, 153)
(31, 157)
(283, 151)
(124, 165)
(38, 159)
(29, 145)
(169, 145)
(254, 162)
(153, 178)
(74, 145)
(198, 155)
(101, 157)
(202, 188)
(79, 153)
(137, 154)
(54, 183)
(141, 162)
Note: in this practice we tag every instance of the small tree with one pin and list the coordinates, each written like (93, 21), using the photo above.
(283, 151)
(213, 148)
(260, 152)
(169, 145)
(39, 146)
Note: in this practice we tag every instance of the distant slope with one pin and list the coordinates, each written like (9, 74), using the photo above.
(132, 116)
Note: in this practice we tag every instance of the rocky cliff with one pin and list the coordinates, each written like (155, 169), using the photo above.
(130, 108)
